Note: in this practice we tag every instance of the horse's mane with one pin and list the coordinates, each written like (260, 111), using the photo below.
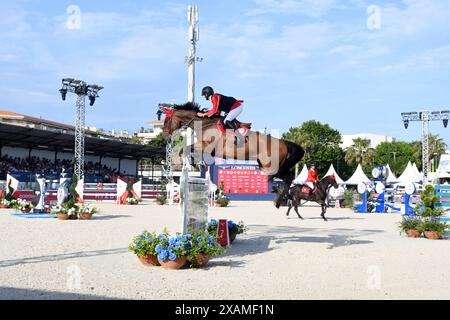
(189, 106)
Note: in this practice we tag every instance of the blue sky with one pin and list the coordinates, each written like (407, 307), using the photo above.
(291, 61)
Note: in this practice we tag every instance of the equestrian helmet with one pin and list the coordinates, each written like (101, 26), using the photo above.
(207, 92)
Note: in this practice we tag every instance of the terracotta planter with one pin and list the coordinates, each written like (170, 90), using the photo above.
(85, 216)
(173, 265)
(131, 204)
(3, 206)
(149, 260)
(232, 237)
(159, 203)
(200, 260)
(413, 233)
(219, 205)
(61, 216)
(73, 217)
(27, 210)
(432, 235)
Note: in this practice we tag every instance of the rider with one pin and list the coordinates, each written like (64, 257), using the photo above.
(232, 108)
(312, 178)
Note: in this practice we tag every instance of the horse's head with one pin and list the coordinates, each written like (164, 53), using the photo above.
(177, 116)
(331, 180)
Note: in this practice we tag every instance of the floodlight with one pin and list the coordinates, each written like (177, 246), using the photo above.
(63, 94)
(91, 100)
(406, 123)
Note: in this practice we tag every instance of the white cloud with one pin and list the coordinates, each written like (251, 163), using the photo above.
(311, 8)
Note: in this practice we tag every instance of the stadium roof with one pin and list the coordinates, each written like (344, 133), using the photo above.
(29, 138)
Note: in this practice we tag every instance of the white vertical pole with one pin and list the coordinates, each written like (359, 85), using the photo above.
(193, 38)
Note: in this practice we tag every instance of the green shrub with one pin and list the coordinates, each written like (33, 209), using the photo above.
(435, 226)
(413, 223)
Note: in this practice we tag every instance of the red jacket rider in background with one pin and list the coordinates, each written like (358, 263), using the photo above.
(312, 179)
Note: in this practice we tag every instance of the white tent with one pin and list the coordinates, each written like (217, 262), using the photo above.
(302, 176)
(443, 170)
(358, 177)
(331, 171)
(408, 176)
(416, 171)
(391, 176)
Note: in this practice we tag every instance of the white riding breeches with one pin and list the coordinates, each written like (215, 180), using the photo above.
(233, 114)
(310, 185)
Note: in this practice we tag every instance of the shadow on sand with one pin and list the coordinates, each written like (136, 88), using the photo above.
(260, 241)
(59, 257)
(7, 293)
(109, 217)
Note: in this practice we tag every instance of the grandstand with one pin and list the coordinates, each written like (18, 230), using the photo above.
(30, 145)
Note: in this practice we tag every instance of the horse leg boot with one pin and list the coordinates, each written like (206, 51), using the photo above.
(238, 138)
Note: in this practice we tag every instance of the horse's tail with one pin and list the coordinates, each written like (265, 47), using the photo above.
(294, 155)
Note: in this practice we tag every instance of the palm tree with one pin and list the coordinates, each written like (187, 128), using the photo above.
(436, 147)
(360, 153)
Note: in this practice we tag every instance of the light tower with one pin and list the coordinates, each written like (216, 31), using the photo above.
(191, 59)
(425, 117)
(81, 89)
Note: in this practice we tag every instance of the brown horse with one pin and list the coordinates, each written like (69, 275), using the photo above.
(296, 195)
(276, 157)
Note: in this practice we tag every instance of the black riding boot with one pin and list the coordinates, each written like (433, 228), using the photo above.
(238, 138)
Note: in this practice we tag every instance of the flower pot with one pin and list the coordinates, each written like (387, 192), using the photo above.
(232, 236)
(173, 265)
(85, 216)
(73, 217)
(3, 206)
(200, 260)
(149, 260)
(159, 203)
(61, 216)
(26, 210)
(433, 235)
(413, 233)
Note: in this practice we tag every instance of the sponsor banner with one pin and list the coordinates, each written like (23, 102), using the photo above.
(243, 180)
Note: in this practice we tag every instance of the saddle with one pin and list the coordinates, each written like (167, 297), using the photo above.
(243, 127)
(305, 189)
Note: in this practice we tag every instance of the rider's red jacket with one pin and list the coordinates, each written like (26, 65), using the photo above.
(312, 176)
(222, 103)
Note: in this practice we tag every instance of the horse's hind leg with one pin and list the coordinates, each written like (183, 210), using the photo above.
(290, 207)
(296, 210)
(324, 210)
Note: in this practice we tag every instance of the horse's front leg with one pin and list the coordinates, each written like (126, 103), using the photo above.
(289, 207)
(324, 210)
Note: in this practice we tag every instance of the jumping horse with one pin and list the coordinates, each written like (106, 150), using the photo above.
(275, 156)
(297, 193)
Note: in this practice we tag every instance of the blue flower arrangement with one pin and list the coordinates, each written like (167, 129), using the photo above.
(203, 243)
(237, 228)
(171, 248)
(212, 227)
(145, 244)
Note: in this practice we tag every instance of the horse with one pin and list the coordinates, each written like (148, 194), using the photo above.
(297, 194)
(275, 156)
